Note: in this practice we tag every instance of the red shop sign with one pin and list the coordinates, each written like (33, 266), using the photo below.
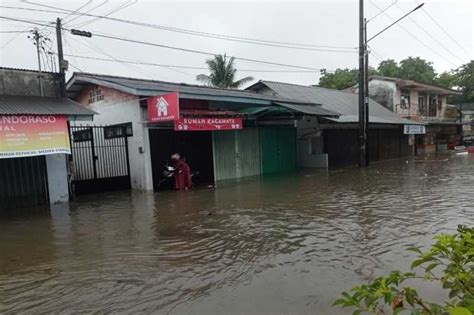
(207, 123)
(163, 107)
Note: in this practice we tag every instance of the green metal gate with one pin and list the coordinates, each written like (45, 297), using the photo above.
(278, 149)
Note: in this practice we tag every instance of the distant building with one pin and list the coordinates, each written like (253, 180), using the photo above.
(334, 140)
(464, 113)
(34, 138)
(420, 102)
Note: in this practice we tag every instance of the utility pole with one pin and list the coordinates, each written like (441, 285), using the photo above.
(362, 131)
(38, 43)
(364, 81)
(366, 93)
(61, 62)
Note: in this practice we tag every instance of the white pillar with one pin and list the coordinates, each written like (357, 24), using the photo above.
(57, 178)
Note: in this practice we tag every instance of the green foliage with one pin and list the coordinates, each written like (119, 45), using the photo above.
(451, 257)
(222, 73)
(415, 68)
(411, 69)
(340, 79)
(465, 81)
(448, 79)
(389, 68)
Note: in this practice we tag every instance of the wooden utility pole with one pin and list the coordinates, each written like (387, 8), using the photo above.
(362, 131)
(37, 42)
(366, 94)
(61, 62)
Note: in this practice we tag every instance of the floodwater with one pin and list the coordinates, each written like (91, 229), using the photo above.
(281, 245)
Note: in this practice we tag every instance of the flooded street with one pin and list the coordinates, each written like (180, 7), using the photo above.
(282, 245)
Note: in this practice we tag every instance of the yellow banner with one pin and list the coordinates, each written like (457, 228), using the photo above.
(29, 135)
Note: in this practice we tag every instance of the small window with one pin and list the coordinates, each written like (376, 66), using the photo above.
(82, 135)
(117, 131)
(405, 99)
(95, 95)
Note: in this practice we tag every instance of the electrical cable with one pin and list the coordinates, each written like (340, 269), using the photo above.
(414, 36)
(103, 35)
(343, 49)
(88, 11)
(187, 67)
(429, 34)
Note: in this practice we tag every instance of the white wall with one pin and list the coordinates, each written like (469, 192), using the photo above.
(57, 178)
(118, 108)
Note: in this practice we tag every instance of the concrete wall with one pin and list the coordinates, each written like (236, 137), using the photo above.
(310, 144)
(385, 93)
(57, 178)
(116, 108)
(25, 82)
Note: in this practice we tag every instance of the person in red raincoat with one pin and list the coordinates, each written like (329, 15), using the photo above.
(182, 175)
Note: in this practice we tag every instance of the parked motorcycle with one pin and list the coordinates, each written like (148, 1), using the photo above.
(167, 180)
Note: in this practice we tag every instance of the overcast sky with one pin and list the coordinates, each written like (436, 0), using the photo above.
(319, 23)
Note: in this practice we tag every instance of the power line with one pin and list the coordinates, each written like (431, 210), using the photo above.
(121, 7)
(185, 67)
(12, 32)
(391, 5)
(88, 11)
(413, 36)
(97, 49)
(432, 37)
(173, 47)
(325, 48)
(93, 47)
(444, 31)
(75, 11)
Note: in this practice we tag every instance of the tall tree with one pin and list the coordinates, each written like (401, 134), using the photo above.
(415, 68)
(222, 73)
(465, 81)
(447, 79)
(389, 68)
(339, 80)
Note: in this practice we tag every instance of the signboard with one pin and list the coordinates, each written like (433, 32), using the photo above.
(206, 123)
(29, 135)
(414, 130)
(163, 107)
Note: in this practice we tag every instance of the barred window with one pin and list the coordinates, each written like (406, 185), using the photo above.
(95, 95)
(117, 131)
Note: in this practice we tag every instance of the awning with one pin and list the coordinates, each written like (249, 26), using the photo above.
(37, 105)
(208, 113)
(315, 110)
(260, 110)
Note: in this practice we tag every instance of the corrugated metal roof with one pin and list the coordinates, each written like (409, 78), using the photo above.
(345, 103)
(36, 105)
(309, 109)
(152, 87)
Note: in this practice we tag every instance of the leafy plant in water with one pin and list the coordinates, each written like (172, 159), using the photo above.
(451, 257)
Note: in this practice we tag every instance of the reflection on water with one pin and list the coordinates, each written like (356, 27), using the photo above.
(281, 245)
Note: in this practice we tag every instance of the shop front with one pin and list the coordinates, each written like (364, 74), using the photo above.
(217, 144)
(439, 137)
(211, 141)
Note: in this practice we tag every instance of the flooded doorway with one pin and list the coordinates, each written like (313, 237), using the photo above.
(195, 147)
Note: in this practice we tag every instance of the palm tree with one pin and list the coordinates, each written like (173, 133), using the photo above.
(222, 73)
